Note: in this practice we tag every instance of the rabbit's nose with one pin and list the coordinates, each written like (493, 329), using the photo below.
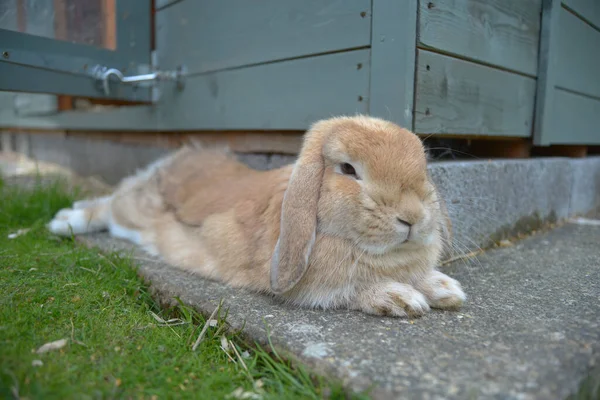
(403, 228)
(400, 220)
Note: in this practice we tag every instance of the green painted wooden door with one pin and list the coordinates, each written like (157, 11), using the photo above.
(53, 46)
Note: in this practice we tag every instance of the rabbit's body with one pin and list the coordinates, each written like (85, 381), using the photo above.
(328, 245)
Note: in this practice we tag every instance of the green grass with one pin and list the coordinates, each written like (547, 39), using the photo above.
(52, 288)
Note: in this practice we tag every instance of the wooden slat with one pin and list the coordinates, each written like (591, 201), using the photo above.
(64, 103)
(575, 119)
(15, 77)
(109, 24)
(578, 55)
(547, 73)
(393, 61)
(588, 9)
(279, 96)
(460, 97)
(215, 34)
(499, 32)
(21, 16)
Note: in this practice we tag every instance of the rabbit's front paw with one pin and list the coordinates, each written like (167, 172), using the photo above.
(393, 298)
(442, 291)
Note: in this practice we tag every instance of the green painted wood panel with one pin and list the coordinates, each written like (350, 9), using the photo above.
(134, 118)
(286, 95)
(498, 32)
(588, 9)
(547, 72)
(575, 119)
(22, 78)
(218, 34)
(566, 109)
(393, 48)
(460, 97)
(578, 57)
(159, 4)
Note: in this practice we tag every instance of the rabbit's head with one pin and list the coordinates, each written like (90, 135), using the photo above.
(364, 180)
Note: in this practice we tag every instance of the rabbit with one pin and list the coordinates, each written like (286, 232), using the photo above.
(354, 223)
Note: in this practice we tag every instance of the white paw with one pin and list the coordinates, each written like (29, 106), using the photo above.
(69, 222)
(396, 299)
(442, 291)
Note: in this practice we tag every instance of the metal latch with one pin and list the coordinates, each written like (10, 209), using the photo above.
(103, 75)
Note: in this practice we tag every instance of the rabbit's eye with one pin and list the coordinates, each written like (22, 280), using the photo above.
(348, 169)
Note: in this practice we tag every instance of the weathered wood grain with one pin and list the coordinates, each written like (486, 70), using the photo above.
(460, 97)
(217, 34)
(499, 32)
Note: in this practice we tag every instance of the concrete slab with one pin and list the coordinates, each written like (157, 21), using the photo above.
(530, 329)
(585, 195)
(491, 200)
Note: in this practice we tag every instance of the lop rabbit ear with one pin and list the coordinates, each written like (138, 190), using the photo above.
(298, 225)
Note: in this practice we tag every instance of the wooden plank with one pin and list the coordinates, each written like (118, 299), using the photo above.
(165, 3)
(288, 95)
(279, 96)
(578, 58)
(16, 77)
(64, 103)
(588, 9)
(109, 27)
(391, 93)
(459, 97)
(21, 16)
(498, 32)
(575, 119)
(542, 126)
(60, 20)
(213, 35)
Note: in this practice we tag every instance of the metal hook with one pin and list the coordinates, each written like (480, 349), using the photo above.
(103, 74)
(106, 75)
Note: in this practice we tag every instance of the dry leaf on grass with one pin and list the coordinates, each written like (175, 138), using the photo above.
(170, 322)
(205, 328)
(18, 233)
(56, 345)
(240, 394)
(224, 343)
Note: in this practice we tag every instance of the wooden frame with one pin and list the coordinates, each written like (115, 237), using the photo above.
(393, 56)
(568, 94)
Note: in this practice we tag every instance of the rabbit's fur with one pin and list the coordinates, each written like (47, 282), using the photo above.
(318, 233)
